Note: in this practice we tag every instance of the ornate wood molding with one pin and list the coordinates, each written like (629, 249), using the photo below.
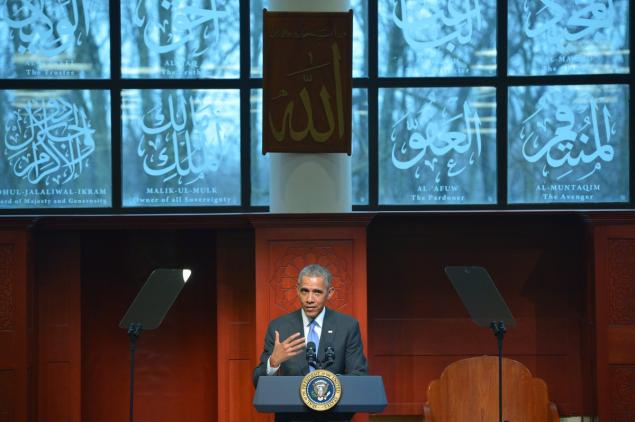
(621, 279)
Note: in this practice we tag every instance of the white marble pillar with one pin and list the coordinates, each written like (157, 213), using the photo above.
(309, 183)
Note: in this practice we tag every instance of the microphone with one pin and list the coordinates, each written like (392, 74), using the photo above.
(311, 356)
(329, 355)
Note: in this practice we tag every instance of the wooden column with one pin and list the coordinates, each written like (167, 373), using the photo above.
(59, 351)
(16, 326)
(614, 245)
(236, 318)
(286, 243)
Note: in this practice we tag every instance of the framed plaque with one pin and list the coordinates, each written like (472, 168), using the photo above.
(307, 82)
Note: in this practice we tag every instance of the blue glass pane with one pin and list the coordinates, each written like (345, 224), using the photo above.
(54, 39)
(568, 144)
(437, 37)
(180, 148)
(360, 37)
(561, 37)
(55, 149)
(180, 39)
(437, 146)
(359, 159)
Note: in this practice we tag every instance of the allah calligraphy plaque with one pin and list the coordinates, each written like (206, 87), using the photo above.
(307, 82)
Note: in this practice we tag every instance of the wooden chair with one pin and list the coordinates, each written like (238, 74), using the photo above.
(468, 392)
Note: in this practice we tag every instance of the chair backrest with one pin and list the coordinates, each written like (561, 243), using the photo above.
(468, 391)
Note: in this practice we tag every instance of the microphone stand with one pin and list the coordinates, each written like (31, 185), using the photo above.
(329, 357)
(133, 334)
(314, 362)
(311, 356)
(499, 331)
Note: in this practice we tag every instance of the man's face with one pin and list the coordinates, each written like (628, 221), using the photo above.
(313, 295)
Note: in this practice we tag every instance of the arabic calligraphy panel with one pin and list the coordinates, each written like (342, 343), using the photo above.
(54, 39)
(360, 36)
(55, 150)
(180, 39)
(180, 148)
(359, 158)
(437, 146)
(437, 38)
(568, 144)
(307, 82)
(561, 37)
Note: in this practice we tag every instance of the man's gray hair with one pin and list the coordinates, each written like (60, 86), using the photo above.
(316, 270)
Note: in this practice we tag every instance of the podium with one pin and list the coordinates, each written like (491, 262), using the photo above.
(281, 394)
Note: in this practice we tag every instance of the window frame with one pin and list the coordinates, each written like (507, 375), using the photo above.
(371, 83)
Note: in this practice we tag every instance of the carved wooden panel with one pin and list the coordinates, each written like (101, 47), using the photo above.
(295, 256)
(282, 252)
(614, 263)
(622, 387)
(622, 281)
(7, 299)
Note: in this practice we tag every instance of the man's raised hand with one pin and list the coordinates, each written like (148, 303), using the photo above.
(283, 351)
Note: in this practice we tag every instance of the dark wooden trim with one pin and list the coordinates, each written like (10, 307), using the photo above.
(310, 220)
(265, 219)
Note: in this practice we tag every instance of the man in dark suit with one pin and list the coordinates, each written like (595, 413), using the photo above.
(288, 335)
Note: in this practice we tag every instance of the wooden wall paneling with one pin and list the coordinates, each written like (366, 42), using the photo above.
(588, 346)
(175, 377)
(16, 327)
(236, 325)
(600, 242)
(418, 324)
(615, 319)
(283, 250)
(58, 286)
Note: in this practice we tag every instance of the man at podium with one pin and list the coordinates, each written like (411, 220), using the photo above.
(336, 336)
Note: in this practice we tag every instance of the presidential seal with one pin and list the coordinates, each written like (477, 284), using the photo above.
(320, 390)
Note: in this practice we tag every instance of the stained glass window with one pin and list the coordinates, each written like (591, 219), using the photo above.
(437, 146)
(173, 39)
(437, 38)
(563, 37)
(53, 39)
(55, 150)
(568, 144)
(180, 148)
(488, 104)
